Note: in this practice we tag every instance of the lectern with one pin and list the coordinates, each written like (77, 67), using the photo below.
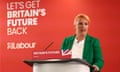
(57, 65)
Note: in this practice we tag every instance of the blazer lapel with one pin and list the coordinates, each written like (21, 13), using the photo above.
(87, 46)
(71, 42)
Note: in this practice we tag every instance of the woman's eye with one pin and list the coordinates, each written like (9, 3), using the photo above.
(80, 23)
(86, 23)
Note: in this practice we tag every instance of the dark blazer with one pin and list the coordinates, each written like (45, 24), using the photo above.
(92, 51)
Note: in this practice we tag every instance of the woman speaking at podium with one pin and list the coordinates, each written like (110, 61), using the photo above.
(84, 46)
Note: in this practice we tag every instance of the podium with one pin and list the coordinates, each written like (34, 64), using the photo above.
(56, 65)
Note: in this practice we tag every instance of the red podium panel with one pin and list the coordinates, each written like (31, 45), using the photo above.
(51, 54)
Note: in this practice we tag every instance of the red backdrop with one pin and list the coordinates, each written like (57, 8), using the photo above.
(57, 24)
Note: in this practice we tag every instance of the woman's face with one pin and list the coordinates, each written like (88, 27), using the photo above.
(81, 26)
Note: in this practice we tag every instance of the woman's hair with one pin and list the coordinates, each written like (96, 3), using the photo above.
(82, 16)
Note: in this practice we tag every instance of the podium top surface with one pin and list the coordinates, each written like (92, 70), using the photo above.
(30, 62)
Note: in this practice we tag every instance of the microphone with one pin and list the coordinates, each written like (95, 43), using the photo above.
(48, 46)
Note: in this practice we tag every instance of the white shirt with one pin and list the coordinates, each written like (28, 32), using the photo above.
(77, 52)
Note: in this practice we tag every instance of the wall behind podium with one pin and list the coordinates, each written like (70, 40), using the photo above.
(22, 31)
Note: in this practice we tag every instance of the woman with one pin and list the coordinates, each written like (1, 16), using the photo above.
(84, 46)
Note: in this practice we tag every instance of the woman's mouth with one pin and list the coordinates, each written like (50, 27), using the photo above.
(83, 30)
